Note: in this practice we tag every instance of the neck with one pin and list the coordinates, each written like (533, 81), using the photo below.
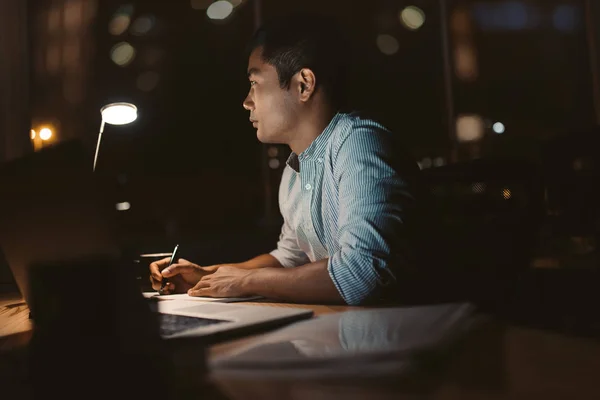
(310, 126)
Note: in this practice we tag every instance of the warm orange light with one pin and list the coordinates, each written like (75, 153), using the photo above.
(45, 133)
(32, 134)
(506, 194)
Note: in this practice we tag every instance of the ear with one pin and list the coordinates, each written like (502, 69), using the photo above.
(306, 83)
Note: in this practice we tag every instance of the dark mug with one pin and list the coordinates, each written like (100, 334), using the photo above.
(94, 332)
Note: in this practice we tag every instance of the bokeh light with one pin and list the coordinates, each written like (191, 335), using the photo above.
(460, 22)
(506, 194)
(273, 151)
(72, 15)
(32, 134)
(122, 54)
(387, 44)
(274, 163)
(439, 162)
(412, 17)
(503, 15)
(119, 24)
(45, 133)
(499, 127)
(121, 20)
(219, 10)
(143, 25)
(469, 128)
(566, 18)
(465, 61)
(124, 206)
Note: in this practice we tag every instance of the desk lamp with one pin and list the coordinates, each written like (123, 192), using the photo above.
(115, 114)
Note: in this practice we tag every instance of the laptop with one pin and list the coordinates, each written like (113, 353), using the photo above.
(54, 210)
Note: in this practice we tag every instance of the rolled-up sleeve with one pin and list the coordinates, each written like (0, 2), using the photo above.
(373, 199)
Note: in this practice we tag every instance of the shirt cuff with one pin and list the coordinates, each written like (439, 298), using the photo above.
(354, 289)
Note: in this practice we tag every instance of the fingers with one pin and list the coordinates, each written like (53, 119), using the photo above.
(178, 268)
(155, 283)
(168, 289)
(182, 268)
(156, 267)
(201, 292)
(202, 288)
(202, 283)
(155, 275)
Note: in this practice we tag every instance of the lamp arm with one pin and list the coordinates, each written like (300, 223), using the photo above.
(98, 144)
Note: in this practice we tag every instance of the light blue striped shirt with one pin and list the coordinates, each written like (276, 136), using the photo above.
(344, 199)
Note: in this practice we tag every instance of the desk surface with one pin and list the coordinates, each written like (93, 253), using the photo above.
(500, 362)
(16, 327)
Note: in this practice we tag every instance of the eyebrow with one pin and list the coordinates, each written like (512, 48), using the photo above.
(253, 71)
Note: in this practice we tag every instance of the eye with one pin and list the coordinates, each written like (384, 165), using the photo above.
(252, 83)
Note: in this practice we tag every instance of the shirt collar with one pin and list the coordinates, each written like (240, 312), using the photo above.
(316, 148)
(293, 162)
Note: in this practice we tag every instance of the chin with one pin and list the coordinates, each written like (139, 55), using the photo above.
(262, 138)
(259, 136)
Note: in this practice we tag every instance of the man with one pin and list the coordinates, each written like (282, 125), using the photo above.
(345, 195)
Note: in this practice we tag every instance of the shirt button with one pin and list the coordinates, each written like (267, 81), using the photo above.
(308, 186)
(319, 160)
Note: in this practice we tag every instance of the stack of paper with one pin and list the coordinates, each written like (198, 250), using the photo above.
(185, 296)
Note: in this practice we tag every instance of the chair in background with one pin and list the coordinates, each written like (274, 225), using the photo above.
(483, 218)
(565, 298)
(572, 174)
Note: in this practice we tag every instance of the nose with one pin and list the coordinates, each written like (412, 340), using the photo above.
(248, 104)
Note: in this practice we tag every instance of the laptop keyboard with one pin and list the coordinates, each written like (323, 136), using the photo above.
(170, 324)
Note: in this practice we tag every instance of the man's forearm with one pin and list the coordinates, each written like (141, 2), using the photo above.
(262, 261)
(309, 283)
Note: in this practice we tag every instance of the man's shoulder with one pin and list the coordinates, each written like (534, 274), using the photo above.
(360, 137)
(360, 128)
(351, 122)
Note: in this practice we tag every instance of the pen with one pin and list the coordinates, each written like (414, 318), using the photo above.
(165, 281)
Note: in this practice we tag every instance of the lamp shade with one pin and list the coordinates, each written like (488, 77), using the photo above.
(119, 113)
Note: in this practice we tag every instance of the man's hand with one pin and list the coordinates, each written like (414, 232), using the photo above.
(182, 275)
(227, 281)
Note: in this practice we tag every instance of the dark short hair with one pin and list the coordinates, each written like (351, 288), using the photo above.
(299, 41)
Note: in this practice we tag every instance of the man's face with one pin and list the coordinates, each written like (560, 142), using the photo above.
(272, 109)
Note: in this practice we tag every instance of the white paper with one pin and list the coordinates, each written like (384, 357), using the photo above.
(185, 296)
(374, 342)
